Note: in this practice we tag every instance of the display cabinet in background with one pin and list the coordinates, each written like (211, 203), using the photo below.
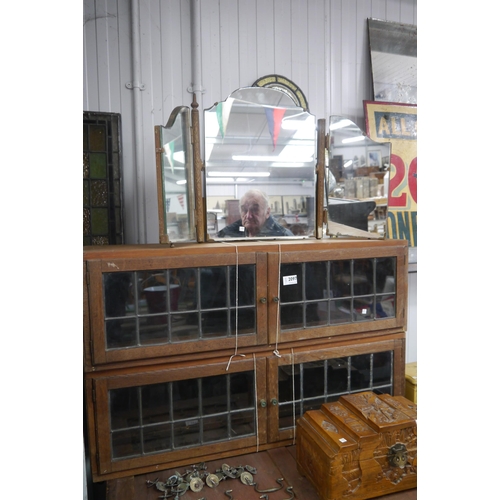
(200, 351)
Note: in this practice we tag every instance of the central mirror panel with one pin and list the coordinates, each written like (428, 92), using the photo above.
(260, 165)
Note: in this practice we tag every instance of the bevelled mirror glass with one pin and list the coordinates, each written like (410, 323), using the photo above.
(260, 167)
(174, 170)
(393, 50)
(357, 181)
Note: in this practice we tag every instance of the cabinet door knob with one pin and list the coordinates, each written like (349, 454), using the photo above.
(274, 401)
(263, 300)
(263, 403)
(276, 299)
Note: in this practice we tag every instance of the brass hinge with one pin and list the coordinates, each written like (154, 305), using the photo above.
(160, 150)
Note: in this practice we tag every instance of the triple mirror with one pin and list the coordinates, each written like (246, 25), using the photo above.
(261, 174)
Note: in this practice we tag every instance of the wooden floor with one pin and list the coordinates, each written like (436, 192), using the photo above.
(270, 465)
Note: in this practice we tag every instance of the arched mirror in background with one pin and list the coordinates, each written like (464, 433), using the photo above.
(358, 179)
(174, 169)
(259, 141)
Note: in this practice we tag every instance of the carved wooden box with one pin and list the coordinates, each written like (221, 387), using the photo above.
(362, 446)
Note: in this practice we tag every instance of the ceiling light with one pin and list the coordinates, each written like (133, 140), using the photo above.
(220, 179)
(235, 174)
(254, 158)
(358, 138)
(340, 124)
(296, 124)
(289, 165)
(179, 157)
(290, 156)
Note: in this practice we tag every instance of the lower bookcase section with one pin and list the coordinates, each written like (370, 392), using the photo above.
(152, 418)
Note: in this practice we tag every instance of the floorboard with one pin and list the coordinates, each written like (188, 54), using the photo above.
(270, 465)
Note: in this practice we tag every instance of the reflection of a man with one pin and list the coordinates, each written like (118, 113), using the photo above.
(256, 219)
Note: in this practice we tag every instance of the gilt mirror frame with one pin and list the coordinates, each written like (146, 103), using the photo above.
(258, 140)
(356, 182)
(175, 179)
(193, 170)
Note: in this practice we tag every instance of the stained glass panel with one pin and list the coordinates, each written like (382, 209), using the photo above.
(102, 179)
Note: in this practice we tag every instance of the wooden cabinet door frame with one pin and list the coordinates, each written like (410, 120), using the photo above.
(96, 352)
(295, 357)
(275, 259)
(98, 405)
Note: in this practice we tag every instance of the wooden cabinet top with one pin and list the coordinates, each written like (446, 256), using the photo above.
(292, 245)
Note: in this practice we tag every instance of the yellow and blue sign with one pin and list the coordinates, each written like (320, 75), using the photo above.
(397, 123)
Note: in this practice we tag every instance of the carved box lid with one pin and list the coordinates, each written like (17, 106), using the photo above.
(381, 412)
(336, 438)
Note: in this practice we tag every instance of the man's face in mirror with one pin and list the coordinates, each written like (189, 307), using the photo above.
(254, 212)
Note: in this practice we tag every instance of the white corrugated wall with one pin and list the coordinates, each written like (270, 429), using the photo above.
(321, 45)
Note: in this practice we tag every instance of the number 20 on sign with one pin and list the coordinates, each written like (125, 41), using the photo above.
(397, 123)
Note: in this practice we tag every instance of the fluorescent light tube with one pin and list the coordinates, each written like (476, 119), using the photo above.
(340, 124)
(358, 138)
(236, 174)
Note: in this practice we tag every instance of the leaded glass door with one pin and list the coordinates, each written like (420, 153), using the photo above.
(303, 379)
(179, 412)
(332, 293)
(176, 305)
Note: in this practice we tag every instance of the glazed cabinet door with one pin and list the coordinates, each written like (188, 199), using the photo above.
(176, 413)
(303, 379)
(150, 307)
(336, 292)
